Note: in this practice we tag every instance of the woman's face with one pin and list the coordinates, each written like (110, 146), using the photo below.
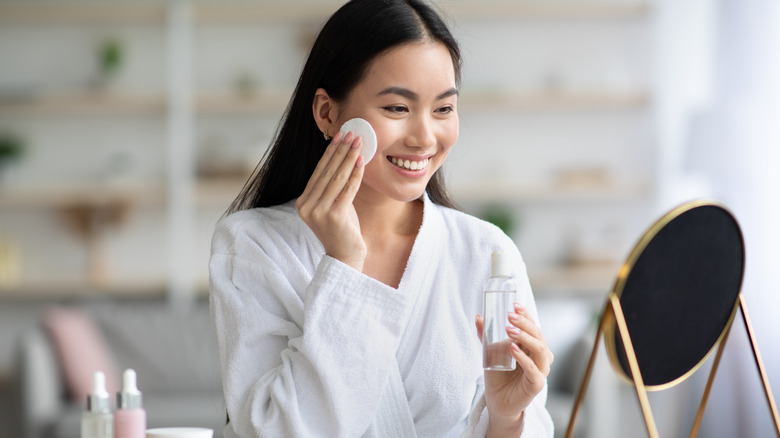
(408, 95)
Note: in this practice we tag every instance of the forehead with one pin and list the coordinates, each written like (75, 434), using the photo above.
(419, 66)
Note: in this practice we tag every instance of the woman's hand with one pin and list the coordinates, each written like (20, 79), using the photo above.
(326, 203)
(508, 393)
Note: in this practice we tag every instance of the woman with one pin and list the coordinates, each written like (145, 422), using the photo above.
(342, 292)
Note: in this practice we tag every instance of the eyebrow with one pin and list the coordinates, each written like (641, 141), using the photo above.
(411, 95)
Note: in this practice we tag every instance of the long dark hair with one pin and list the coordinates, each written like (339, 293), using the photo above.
(352, 37)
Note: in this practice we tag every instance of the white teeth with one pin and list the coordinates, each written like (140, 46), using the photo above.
(410, 165)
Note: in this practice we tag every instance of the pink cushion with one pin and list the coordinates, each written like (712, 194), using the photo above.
(81, 350)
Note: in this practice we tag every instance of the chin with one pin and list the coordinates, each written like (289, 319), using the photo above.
(410, 194)
(400, 194)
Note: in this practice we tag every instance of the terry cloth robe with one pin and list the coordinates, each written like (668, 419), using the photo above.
(310, 347)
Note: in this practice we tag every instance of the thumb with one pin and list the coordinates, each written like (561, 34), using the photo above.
(480, 323)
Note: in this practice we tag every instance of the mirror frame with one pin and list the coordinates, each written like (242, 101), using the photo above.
(610, 330)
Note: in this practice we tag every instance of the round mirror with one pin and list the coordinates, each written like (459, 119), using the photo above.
(678, 291)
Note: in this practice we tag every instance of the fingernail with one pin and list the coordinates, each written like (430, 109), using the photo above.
(513, 330)
(519, 308)
(514, 317)
(357, 143)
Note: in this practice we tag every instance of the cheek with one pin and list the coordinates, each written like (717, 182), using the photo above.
(386, 134)
(449, 135)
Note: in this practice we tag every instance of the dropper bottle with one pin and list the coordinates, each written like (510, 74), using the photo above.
(97, 421)
(130, 416)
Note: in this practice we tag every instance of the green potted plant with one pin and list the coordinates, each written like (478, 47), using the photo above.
(501, 216)
(12, 148)
(110, 57)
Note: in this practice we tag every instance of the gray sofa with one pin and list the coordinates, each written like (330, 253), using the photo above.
(174, 354)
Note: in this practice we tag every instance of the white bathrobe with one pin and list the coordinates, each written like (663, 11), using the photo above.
(310, 347)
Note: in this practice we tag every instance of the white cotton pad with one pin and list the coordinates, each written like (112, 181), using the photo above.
(362, 129)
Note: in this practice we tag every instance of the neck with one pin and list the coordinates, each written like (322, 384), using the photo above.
(381, 216)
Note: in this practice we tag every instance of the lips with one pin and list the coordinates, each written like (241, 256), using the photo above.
(409, 164)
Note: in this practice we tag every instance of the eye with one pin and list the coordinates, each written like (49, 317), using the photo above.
(448, 109)
(395, 109)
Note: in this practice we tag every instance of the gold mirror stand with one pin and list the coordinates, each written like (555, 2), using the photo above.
(613, 310)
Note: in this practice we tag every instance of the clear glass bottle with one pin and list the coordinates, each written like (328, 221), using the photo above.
(500, 292)
(98, 421)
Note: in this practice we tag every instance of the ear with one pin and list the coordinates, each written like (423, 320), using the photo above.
(325, 111)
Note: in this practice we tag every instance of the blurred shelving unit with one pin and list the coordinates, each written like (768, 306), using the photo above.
(192, 23)
(83, 207)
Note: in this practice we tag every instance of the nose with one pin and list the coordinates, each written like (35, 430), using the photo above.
(421, 133)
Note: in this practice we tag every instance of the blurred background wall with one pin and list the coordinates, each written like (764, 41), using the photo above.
(126, 128)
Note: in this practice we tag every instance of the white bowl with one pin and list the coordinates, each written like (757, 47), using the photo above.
(179, 432)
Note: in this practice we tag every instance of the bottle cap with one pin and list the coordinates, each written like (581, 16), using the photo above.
(98, 399)
(361, 128)
(129, 397)
(499, 264)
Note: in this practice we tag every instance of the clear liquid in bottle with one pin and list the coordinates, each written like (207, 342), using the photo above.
(500, 293)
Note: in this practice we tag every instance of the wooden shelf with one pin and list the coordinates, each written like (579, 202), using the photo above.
(82, 12)
(532, 100)
(233, 12)
(83, 103)
(212, 192)
(217, 192)
(510, 193)
(276, 101)
(222, 191)
(557, 9)
(249, 12)
(67, 195)
(595, 279)
(262, 102)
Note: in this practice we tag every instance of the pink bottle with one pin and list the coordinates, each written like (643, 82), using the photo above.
(130, 416)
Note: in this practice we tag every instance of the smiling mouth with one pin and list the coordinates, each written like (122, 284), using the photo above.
(408, 164)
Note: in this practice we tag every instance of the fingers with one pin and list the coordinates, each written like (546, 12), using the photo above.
(345, 182)
(531, 373)
(327, 156)
(334, 157)
(335, 173)
(479, 321)
(521, 319)
(529, 340)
